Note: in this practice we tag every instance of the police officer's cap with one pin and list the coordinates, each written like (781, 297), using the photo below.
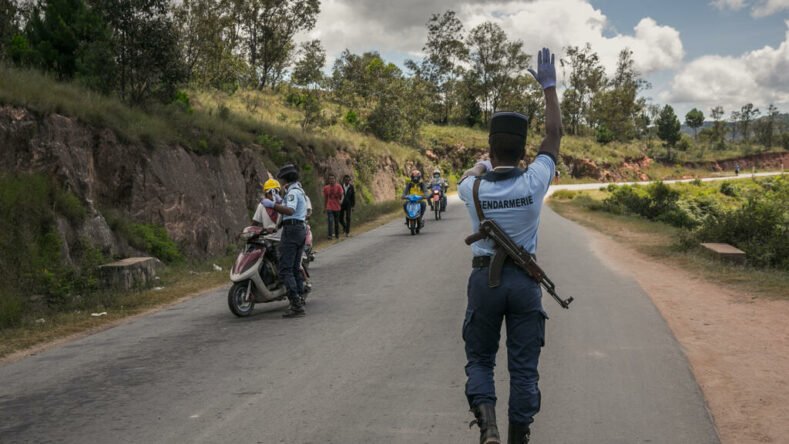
(509, 123)
(287, 169)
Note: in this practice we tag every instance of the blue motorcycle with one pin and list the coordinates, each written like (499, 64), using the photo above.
(413, 210)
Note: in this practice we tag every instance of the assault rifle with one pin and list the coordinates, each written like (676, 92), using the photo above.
(506, 248)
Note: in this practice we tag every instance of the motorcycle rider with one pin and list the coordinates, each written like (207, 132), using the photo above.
(268, 217)
(438, 180)
(416, 186)
(294, 233)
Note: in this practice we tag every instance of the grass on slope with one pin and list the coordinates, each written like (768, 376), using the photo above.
(203, 123)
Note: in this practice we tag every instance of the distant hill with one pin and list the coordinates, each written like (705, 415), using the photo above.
(783, 124)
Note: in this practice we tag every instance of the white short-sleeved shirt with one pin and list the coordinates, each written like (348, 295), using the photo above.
(261, 216)
(513, 198)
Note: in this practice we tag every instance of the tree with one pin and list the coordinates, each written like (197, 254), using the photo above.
(668, 127)
(734, 118)
(386, 103)
(308, 71)
(69, 39)
(586, 78)
(766, 128)
(617, 107)
(208, 43)
(269, 27)
(495, 63)
(148, 57)
(9, 25)
(747, 114)
(717, 126)
(694, 119)
(444, 51)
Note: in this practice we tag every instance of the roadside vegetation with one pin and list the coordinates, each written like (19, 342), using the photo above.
(670, 221)
(63, 300)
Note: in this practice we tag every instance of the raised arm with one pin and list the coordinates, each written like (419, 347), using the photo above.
(546, 76)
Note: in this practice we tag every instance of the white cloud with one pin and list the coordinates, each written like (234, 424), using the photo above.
(400, 27)
(769, 7)
(759, 8)
(728, 4)
(760, 77)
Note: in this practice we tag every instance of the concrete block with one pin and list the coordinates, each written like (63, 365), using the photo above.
(132, 272)
(725, 252)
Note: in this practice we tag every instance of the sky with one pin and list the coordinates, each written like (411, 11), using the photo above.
(695, 53)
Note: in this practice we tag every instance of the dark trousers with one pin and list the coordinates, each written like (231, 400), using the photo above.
(334, 223)
(518, 300)
(345, 220)
(291, 248)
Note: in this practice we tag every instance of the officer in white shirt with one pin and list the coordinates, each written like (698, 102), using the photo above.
(294, 233)
(512, 198)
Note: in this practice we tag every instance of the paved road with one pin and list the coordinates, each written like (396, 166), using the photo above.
(378, 359)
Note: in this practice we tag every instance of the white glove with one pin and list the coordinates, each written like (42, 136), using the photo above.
(278, 199)
(546, 69)
(268, 203)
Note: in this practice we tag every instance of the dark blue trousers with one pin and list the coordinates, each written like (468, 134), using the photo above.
(291, 248)
(518, 300)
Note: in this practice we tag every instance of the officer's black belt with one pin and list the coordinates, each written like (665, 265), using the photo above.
(292, 222)
(484, 261)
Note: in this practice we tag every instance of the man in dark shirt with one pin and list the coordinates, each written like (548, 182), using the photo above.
(347, 205)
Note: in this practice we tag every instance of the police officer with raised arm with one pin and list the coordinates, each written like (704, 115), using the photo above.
(294, 234)
(512, 198)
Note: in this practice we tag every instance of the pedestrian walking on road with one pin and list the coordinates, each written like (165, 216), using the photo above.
(347, 205)
(513, 198)
(293, 208)
(332, 198)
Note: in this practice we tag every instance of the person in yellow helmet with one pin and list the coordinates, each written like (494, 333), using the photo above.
(267, 217)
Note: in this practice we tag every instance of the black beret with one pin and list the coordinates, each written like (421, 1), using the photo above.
(509, 123)
(287, 168)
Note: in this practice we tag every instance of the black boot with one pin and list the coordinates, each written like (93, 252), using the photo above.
(518, 434)
(486, 420)
(296, 309)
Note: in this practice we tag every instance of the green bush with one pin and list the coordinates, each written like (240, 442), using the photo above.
(729, 189)
(11, 309)
(351, 118)
(656, 201)
(603, 135)
(760, 228)
(153, 239)
(564, 195)
(31, 260)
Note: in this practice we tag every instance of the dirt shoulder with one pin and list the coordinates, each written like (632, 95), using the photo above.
(737, 342)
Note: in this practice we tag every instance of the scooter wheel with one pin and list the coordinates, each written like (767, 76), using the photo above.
(239, 304)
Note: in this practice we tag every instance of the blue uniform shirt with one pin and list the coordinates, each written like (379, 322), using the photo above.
(513, 199)
(296, 199)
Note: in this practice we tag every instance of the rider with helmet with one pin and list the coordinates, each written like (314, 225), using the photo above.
(267, 217)
(416, 186)
(438, 180)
